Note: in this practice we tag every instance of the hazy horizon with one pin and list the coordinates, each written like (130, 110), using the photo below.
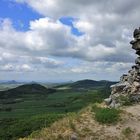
(51, 81)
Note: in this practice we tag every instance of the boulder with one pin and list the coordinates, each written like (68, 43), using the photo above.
(108, 101)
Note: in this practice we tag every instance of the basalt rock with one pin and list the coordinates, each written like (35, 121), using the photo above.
(136, 33)
(128, 88)
(138, 52)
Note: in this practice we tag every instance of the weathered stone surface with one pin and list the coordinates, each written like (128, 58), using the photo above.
(123, 78)
(136, 33)
(137, 61)
(130, 80)
(129, 86)
(112, 105)
(118, 87)
(108, 101)
(135, 98)
(136, 45)
(132, 42)
(138, 52)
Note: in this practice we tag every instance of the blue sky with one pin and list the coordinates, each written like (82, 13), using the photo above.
(22, 14)
(61, 40)
(69, 21)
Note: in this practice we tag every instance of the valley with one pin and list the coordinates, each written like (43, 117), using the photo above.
(33, 105)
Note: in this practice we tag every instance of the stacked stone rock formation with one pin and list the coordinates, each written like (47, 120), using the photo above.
(128, 89)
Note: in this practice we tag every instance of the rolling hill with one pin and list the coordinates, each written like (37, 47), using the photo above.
(87, 84)
(25, 89)
(91, 83)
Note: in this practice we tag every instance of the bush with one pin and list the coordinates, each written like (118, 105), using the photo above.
(106, 115)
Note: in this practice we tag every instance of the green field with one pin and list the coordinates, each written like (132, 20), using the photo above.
(21, 115)
(58, 102)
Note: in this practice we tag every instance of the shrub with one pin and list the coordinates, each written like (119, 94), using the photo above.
(106, 115)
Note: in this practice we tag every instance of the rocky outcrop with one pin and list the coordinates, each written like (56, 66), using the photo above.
(128, 89)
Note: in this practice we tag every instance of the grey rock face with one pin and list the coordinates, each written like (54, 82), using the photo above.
(128, 88)
(135, 98)
(108, 101)
(136, 45)
(137, 61)
(138, 52)
(136, 33)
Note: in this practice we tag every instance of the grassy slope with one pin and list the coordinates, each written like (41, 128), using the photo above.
(83, 126)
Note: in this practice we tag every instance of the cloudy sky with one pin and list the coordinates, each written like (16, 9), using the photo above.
(62, 40)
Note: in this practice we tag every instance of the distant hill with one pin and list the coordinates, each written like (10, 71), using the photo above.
(90, 83)
(87, 84)
(26, 89)
(9, 82)
(12, 82)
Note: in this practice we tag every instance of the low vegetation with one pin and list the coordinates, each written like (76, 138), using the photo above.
(11, 129)
(84, 125)
(106, 115)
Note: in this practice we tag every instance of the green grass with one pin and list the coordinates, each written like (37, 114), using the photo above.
(11, 129)
(106, 115)
(59, 102)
